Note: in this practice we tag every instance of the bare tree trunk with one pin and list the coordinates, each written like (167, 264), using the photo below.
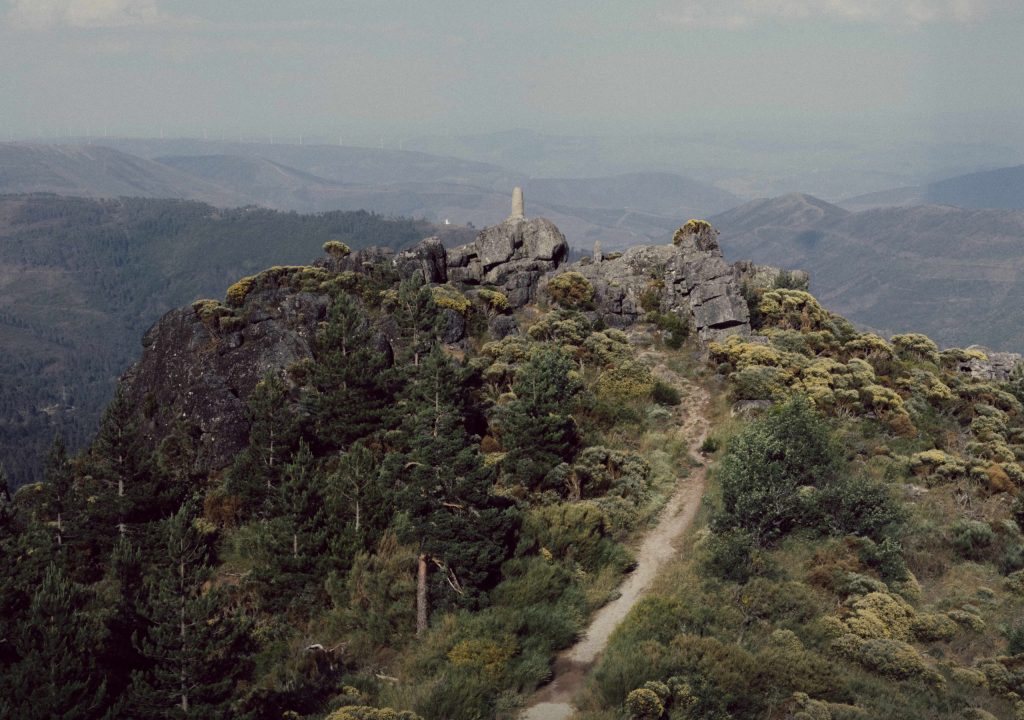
(421, 597)
(183, 675)
(295, 545)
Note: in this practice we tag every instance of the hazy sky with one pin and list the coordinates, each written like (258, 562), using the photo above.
(932, 68)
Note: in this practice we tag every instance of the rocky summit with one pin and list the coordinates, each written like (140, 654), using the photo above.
(200, 363)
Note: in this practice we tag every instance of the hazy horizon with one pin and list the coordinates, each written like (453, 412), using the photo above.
(739, 92)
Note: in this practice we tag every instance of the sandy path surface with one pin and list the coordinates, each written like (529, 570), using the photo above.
(554, 700)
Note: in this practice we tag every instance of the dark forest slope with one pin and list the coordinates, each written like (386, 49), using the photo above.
(80, 280)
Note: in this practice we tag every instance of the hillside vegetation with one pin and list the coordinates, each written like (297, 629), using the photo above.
(81, 280)
(861, 555)
(418, 529)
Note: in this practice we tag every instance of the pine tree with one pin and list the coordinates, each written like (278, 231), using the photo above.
(122, 593)
(296, 540)
(58, 476)
(8, 515)
(356, 497)
(417, 318)
(10, 600)
(462, 528)
(193, 642)
(118, 493)
(55, 673)
(350, 393)
(273, 439)
(536, 428)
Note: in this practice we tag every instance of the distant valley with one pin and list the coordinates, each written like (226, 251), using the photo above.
(954, 274)
(619, 210)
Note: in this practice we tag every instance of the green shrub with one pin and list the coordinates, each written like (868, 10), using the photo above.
(1015, 638)
(494, 301)
(731, 555)
(710, 445)
(702, 229)
(237, 293)
(762, 487)
(678, 329)
(628, 380)
(1017, 509)
(972, 539)
(644, 704)
(933, 626)
(365, 712)
(650, 298)
(571, 289)
(665, 394)
(915, 346)
(337, 249)
(449, 298)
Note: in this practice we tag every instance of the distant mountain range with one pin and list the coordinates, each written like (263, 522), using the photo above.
(619, 210)
(956, 274)
(996, 189)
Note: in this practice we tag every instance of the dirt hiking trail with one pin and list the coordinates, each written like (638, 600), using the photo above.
(554, 701)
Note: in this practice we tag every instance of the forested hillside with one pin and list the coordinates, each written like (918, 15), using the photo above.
(410, 525)
(81, 280)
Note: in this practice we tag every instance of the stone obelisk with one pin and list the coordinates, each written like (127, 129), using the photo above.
(518, 211)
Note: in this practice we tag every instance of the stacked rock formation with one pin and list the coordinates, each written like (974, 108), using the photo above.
(511, 257)
(689, 278)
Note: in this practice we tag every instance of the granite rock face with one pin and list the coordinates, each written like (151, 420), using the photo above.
(429, 258)
(510, 257)
(999, 366)
(196, 375)
(689, 278)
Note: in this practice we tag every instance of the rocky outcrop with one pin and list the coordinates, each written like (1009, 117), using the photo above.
(985, 364)
(200, 363)
(689, 278)
(429, 258)
(768, 276)
(510, 257)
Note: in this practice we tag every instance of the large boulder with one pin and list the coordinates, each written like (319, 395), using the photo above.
(428, 258)
(511, 257)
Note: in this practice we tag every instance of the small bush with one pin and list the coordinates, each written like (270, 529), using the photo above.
(678, 329)
(571, 289)
(644, 704)
(494, 301)
(710, 445)
(237, 293)
(448, 298)
(732, 555)
(704, 231)
(365, 712)
(337, 249)
(972, 539)
(650, 298)
(665, 394)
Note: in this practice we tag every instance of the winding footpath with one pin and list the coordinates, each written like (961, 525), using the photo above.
(554, 701)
